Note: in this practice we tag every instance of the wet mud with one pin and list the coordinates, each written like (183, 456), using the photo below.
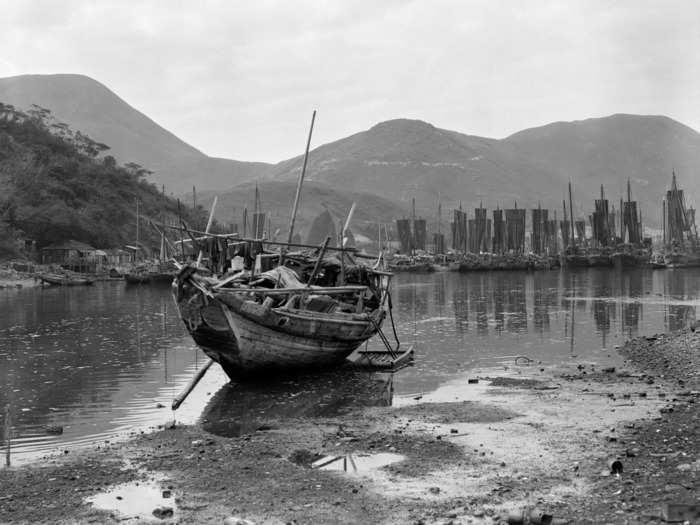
(529, 437)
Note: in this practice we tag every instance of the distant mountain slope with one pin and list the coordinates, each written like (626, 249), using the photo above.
(403, 159)
(277, 198)
(90, 107)
(53, 190)
(408, 158)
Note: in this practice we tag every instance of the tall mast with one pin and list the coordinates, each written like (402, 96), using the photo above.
(663, 218)
(629, 191)
(622, 221)
(571, 213)
(297, 195)
(256, 222)
(413, 226)
(137, 222)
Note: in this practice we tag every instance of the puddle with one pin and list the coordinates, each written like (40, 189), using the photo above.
(357, 463)
(137, 501)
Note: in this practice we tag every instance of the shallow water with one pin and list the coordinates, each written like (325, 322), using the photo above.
(102, 361)
(135, 501)
(359, 463)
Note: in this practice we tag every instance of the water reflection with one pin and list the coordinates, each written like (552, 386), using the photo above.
(101, 359)
(241, 408)
(85, 360)
(545, 315)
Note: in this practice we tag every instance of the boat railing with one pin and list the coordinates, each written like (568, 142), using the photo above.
(337, 290)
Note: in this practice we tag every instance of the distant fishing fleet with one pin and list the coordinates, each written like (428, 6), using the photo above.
(609, 237)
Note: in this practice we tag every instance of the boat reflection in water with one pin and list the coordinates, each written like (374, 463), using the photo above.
(242, 408)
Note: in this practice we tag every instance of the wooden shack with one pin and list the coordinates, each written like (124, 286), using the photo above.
(67, 252)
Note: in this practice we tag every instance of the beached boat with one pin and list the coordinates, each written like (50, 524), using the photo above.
(59, 279)
(278, 322)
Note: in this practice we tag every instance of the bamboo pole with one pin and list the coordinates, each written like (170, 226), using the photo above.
(190, 386)
(209, 222)
(8, 435)
(182, 241)
(297, 196)
(317, 266)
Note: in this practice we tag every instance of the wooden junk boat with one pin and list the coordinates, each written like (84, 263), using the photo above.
(275, 321)
(279, 310)
(64, 279)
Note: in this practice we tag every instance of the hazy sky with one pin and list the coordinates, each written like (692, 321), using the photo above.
(240, 79)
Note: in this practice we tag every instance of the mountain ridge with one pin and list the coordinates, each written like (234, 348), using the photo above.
(402, 159)
(91, 107)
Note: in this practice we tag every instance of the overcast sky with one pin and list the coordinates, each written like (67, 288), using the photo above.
(240, 79)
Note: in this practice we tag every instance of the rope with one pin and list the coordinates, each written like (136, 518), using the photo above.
(391, 317)
(383, 338)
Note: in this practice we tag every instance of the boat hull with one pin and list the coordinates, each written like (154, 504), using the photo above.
(682, 260)
(58, 280)
(630, 260)
(149, 278)
(244, 337)
(412, 268)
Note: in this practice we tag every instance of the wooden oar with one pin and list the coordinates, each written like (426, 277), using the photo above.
(190, 386)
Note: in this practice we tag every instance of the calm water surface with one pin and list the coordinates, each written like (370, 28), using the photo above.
(99, 361)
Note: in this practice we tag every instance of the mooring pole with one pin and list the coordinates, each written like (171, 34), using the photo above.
(8, 435)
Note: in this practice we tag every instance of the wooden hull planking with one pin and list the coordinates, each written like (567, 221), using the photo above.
(244, 337)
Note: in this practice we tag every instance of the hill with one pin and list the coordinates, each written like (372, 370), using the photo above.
(410, 158)
(88, 106)
(277, 198)
(53, 189)
(403, 159)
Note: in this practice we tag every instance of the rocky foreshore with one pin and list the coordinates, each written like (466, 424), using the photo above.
(611, 442)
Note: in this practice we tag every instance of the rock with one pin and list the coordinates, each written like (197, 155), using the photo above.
(166, 494)
(163, 512)
(236, 520)
(616, 466)
(160, 405)
(472, 381)
(54, 429)
(434, 490)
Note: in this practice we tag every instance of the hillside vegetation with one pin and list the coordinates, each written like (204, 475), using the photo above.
(54, 188)
(87, 105)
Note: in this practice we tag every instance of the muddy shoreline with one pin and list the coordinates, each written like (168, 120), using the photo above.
(529, 437)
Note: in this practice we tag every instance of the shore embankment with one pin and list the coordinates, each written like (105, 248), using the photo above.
(18, 275)
(585, 442)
